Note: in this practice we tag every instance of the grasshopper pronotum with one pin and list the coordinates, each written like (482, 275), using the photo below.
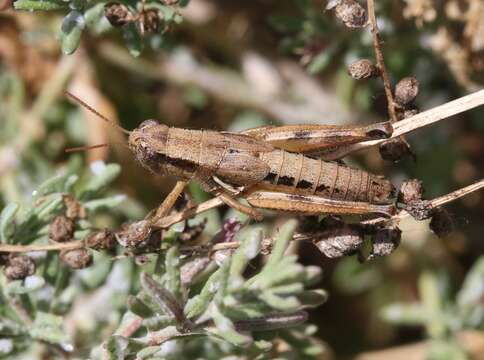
(269, 165)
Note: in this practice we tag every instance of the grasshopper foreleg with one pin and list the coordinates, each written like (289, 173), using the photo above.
(170, 200)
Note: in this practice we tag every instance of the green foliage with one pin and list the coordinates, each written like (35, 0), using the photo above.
(49, 293)
(235, 313)
(82, 15)
(442, 316)
(228, 314)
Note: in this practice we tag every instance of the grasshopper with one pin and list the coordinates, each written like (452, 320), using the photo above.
(277, 168)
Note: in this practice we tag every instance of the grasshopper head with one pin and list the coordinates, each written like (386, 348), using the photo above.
(148, 143)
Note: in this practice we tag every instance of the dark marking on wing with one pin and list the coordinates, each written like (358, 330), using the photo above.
(304, 184)
(285, 180)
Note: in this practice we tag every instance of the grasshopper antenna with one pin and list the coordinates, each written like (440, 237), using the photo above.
(92, 147)
(85, 148)
(82, 103)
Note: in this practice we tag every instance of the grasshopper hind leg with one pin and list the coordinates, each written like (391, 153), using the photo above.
(315, 205)
(248, 210)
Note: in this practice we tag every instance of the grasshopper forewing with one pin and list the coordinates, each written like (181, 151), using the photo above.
(319, 139)
(270, 176)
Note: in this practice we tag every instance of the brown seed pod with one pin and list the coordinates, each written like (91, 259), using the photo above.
(363, 69)
(61, 229)
(411, 191)
(77, 258)
(394, 150)
(406, 91)
(19, 267)
(118, 14)
(101, 240)
(385, 241)
(339, 241)
(441, 223)
(151, 20)
(350, 13)
(135, 235)
(420, 210)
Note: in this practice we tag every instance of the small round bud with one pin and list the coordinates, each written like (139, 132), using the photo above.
(394, 150)
(61, 229)
(151, 20)
(117, 14)
(340, 241)
(420, 209)
(363, 69)
(385, 241)
(101, 240)
(441, 223)
(350, 13)
(406, 91)
(135, 235)
(411, 191)
(77, 258)
(19, 267)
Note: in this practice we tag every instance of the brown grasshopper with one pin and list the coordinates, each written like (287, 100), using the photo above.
(271, 167)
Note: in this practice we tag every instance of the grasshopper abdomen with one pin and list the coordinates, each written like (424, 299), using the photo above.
(300, 174)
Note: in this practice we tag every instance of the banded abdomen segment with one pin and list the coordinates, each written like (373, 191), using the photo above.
(299, 174)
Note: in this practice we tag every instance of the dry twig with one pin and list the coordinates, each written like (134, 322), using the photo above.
(381, 62)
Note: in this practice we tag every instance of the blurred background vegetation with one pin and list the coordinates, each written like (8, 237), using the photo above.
(231, 65)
